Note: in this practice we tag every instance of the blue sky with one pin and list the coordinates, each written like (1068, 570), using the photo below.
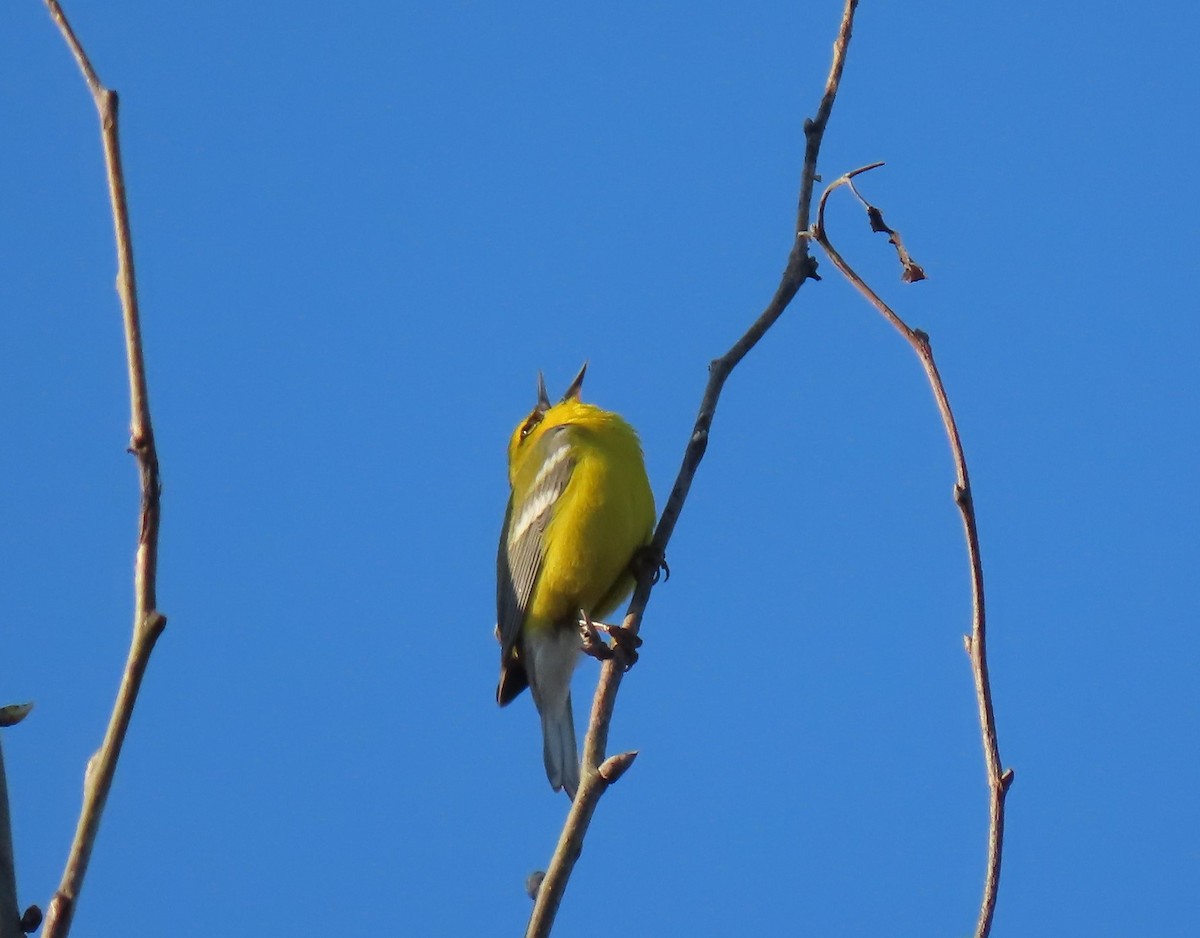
(361, 230)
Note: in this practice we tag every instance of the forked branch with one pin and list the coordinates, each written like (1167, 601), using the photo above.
(597, 772)
(148, 622)
(998, 780)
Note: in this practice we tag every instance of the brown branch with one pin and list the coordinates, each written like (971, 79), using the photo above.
(976, 645)
(596, 773)
(912, 271)
(148, 622)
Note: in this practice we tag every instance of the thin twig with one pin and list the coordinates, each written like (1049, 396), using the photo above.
(800, 267)
(998, 780)
(148, 622)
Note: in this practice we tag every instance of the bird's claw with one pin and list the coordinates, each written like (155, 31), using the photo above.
(593, 644)
(651, 561)
(624, 647)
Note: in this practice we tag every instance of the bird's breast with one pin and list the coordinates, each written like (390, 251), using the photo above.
(596, 526)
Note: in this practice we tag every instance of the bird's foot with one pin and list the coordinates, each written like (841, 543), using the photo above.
(593, 644)
(624, 642)
(651, 561)
(625, 645)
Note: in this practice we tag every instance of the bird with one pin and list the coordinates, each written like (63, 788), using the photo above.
(580, 508)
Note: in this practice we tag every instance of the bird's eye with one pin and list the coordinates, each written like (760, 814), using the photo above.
(530, 424)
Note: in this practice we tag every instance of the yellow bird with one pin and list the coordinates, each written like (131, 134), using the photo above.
(579, 510)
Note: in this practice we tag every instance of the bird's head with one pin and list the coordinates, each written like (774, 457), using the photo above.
(546, 415)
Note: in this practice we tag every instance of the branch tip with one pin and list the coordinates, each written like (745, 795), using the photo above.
(858, 172)
(615, 766)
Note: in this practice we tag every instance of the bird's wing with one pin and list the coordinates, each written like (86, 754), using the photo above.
(519, 559)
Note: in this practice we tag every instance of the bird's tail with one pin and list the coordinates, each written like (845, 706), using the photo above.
(559, 749)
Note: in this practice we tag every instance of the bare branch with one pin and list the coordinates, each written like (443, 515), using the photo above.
(800, 267)
(912, 271)
(998, 781)
(148, 622)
